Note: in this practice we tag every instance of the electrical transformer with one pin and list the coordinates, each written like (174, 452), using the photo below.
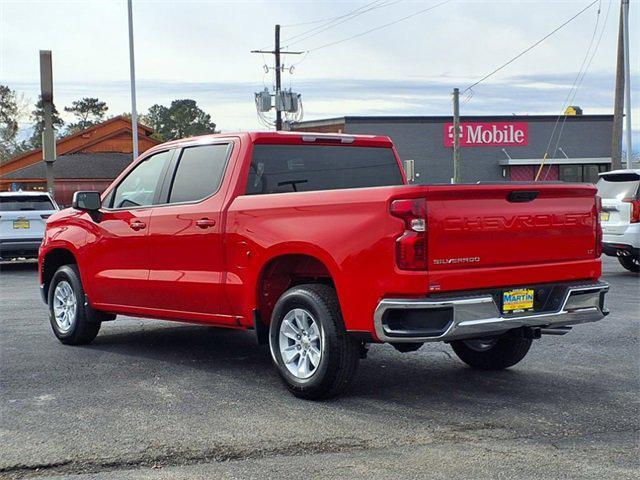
(263, 101)
(287, 101)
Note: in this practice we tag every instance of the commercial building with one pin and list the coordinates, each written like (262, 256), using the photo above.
(87, 160)
(503, 147)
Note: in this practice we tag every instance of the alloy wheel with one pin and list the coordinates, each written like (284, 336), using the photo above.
(64, 306)
(300, 343)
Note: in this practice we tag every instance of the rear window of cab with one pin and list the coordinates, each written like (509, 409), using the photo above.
(306, 168)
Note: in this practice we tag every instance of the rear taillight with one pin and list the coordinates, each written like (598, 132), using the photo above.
(635, 209)
(411, 246)
(598, 227)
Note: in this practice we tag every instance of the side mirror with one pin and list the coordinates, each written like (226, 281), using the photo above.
(87, 201)
(410, 170)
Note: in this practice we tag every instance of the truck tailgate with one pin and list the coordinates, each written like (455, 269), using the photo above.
(494, 226)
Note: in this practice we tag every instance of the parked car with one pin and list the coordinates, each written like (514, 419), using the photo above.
(316, 243)
(22, 219)
(620, 217)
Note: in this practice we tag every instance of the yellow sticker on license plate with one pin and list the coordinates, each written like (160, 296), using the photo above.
(21, 224)
(604, 216)
(517, 300)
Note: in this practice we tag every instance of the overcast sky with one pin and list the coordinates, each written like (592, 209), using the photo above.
(200, 50)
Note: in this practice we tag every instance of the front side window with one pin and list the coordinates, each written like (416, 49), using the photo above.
(305, 168)
(199, 172)
(139, 188)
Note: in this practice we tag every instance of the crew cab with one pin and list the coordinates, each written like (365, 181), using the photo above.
(317, 243)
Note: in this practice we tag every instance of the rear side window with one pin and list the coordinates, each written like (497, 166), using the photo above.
(18, 203)
(619, 186)
(199, 172)
(305, 168)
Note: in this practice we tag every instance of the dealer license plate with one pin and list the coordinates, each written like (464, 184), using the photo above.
(17, 224)
(604, 216)
(518, 300)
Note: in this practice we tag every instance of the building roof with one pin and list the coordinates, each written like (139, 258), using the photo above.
(446, 118)
(113, 135)
(105, 165)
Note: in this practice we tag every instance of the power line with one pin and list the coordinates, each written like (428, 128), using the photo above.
(419, 12)
(528, 49)
(577, 83)
(323, 28)
(325, 22)
(570, 94)
(326, 19)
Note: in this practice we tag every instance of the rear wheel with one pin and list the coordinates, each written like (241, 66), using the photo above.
(630, 263)
(495, 353)
(70, 319)
(309, 344)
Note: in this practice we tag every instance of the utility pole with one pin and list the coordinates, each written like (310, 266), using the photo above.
(48, 134)
(627, 80)
(132, 70)
(618, 108)
(278, 68)
(456, 135)
(278, 85)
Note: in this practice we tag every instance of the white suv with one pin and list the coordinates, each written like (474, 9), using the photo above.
(620, 217)
(22, 219)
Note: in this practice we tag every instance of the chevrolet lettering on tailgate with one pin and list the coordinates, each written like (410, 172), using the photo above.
(517, 222)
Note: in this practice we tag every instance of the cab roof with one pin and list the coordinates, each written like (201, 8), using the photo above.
(288, 138)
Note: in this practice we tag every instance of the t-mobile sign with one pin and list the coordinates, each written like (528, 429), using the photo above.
(489, 134)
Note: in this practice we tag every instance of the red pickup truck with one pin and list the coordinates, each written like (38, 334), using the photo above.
(316, 243)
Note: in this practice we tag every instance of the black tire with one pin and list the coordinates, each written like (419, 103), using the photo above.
(85, 327)
(340, 353)
(505, 352)
(630, 263)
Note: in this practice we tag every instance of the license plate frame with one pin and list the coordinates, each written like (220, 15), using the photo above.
(21, 224)
(605, 216)
(518, 300)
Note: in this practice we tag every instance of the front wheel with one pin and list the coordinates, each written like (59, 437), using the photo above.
(314, 355)
(70, 320)
(495, 353)
(630, 263)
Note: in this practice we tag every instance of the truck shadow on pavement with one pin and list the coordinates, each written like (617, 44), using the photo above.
(431, 377)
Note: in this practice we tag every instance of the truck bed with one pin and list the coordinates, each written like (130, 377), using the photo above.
(478, 236)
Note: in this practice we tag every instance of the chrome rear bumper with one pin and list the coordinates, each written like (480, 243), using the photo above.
(477, 316)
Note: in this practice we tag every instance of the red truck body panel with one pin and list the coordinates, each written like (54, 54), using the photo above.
(170, 269)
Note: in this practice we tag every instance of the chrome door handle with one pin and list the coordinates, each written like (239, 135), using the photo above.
(137, 225)
(205, 223)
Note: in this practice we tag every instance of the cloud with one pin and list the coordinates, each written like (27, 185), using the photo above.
(231, 103)
(200, 49)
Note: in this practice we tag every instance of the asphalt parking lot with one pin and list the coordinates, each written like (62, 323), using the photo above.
(161, 400)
